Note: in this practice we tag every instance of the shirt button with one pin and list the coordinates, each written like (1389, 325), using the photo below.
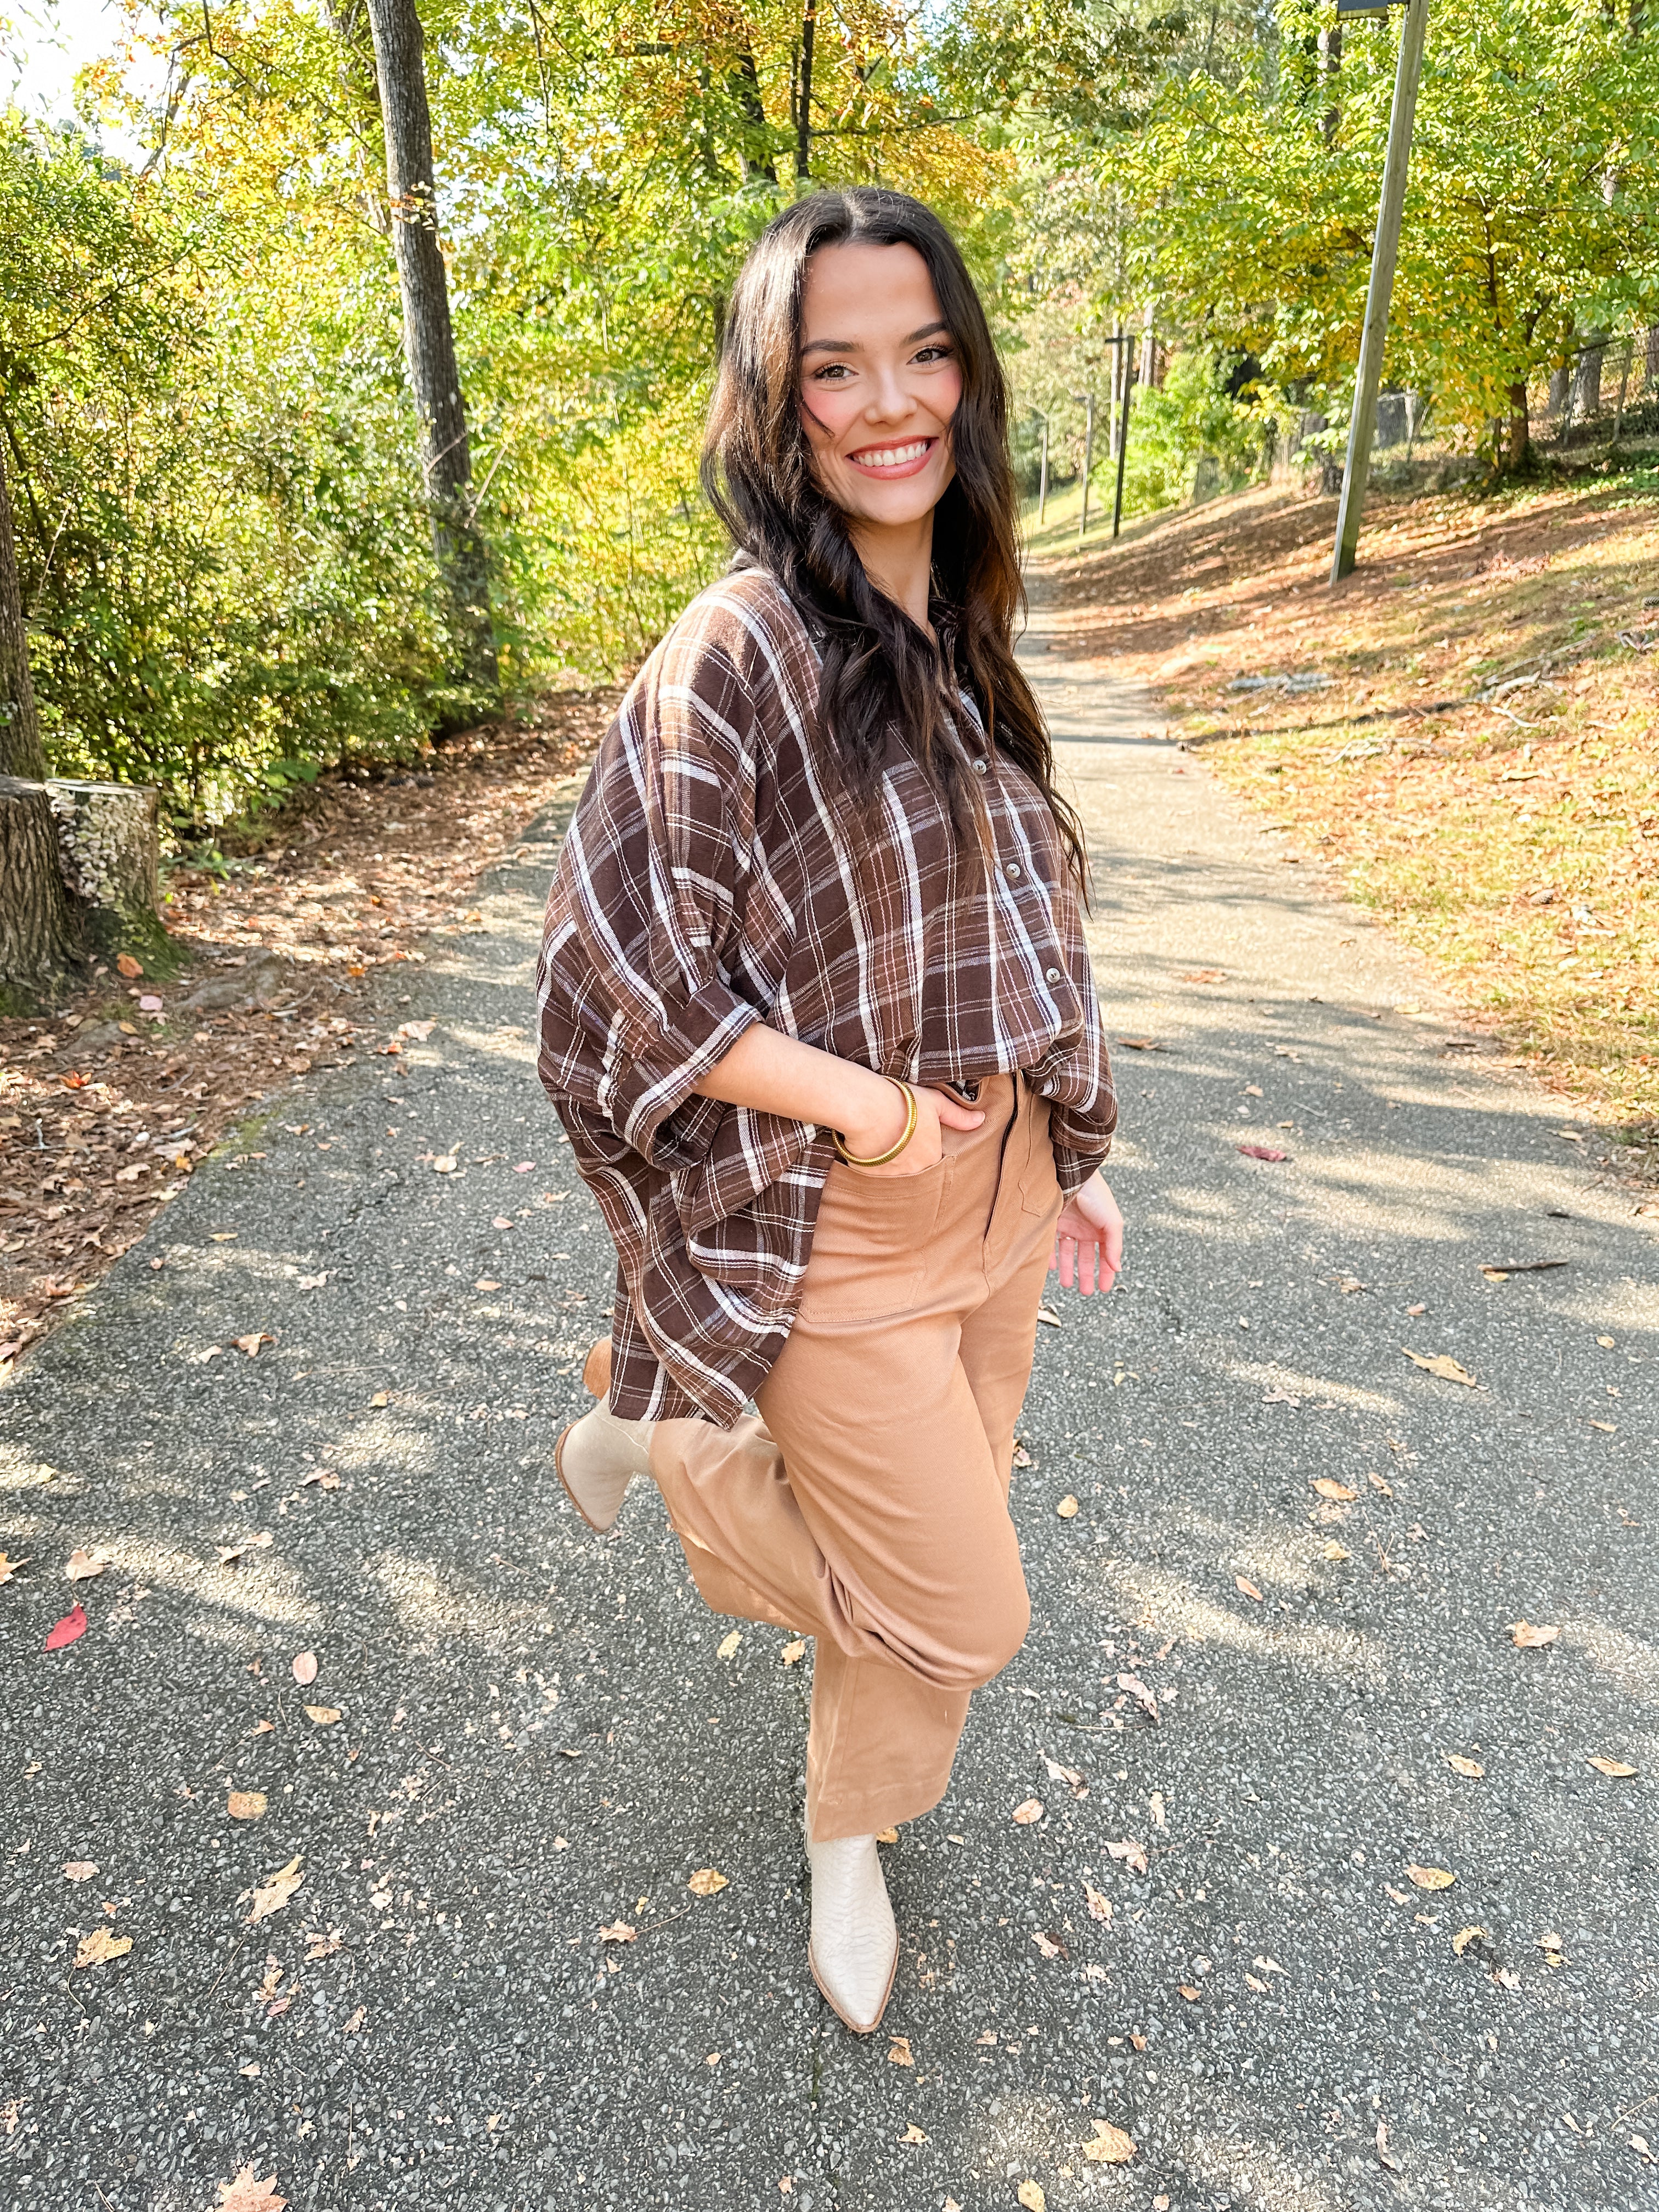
(1012, 871)
(981, 768)
(1051, 975)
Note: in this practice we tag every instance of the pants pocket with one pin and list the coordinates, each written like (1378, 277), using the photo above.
(1039, 1184)
(870, 1248)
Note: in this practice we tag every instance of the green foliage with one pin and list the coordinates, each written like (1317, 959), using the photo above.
(1192, 419)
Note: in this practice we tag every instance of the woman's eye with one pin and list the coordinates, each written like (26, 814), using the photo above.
(834, 371)
(934, 353)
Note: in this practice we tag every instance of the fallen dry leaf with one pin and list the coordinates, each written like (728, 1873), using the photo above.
(791, 1652)
(1131, 1854)
(1110, 2146)
(1383, 2152)
(382, 1398)
(79, 1870)
(1459, 1764)
(1049, 1318)
(619, 1931)
(887, 1835)
(1188, 1991)
(1428, 1877)
(728, 1645)
(126, 965)
(1067, 1508)
(1506, 1977)
(68, 1629)
(900, 2054)
(354, 2024)
(1464, 1937)
(1328, 1487)
(245, 2194)
(1137, 1689)
(323, 1716)
(1202, 975)
(1049, 1945)
(1100, 1906)
(274, 1894)
(1069, 1775)
(1032, 2196)
(1378, 1482)
(1248, 1588)
(8, 1567)
(706, 1882)
(303, 1667)
(83, 1566)
(1526, 1637)
(1441, 1364)
(1262, 1988)
(913, 2134)
(251, 1343)
(100, 1947)
(324, 1946)
(1260, 1152)
(1615, 1767)
(246, 1804)
(1033, 1810)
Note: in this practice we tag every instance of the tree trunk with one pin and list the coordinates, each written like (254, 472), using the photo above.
(428, 337)
(1518, 452)
(809, 24)
(40, 923)
(22, 752)
(1330, 67)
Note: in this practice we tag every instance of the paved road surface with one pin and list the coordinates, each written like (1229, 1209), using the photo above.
(539, 1735)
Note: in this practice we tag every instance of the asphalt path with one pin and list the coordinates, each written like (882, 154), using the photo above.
(543, 1735)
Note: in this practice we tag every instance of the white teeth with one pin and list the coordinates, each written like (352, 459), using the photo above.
(893, 457)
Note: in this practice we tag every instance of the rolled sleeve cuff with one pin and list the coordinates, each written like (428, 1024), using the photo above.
(650, 1078)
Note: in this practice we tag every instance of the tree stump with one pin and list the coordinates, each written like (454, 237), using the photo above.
(41, 926)
(109, 846)
(78, 867)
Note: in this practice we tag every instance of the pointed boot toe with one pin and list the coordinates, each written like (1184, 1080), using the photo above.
(853, 1953)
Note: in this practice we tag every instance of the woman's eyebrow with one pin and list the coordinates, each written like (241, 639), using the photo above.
(853, 345)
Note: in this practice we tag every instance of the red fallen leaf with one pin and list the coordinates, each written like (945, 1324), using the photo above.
(73, 1625)
(1260, 1152)
(72, 1081)
(129, 966)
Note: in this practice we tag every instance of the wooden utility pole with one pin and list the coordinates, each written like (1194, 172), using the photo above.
(429, 339)
(1363, 427)
(1126, 353)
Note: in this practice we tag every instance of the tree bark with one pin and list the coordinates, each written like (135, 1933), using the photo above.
(808, 26)
(40, 933)
(1518, 451)
(22, 752)
(429, 339)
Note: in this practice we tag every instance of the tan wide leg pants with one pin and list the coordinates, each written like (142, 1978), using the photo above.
(868, 1505)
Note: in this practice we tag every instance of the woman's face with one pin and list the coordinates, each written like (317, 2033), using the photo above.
(879, 382)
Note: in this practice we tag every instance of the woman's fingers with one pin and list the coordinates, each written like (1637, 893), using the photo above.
(952, 1115)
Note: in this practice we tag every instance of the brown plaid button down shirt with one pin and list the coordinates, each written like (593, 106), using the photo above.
(709, 880)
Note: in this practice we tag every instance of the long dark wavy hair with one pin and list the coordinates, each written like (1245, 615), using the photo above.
(879, 669)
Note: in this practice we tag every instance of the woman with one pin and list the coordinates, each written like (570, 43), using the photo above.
(818, 1016)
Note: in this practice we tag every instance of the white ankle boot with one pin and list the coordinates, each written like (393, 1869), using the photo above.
(599, 1456)
(854, 1950)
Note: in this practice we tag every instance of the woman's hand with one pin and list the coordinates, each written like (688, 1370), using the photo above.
(936, 1111)
(1089, 1239)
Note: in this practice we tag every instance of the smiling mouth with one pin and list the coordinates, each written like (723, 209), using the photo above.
(893, 460)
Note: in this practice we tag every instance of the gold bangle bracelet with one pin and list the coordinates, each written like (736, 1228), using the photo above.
(880, 1159)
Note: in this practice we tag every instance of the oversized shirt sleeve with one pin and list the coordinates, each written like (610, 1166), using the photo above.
(641, 974)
